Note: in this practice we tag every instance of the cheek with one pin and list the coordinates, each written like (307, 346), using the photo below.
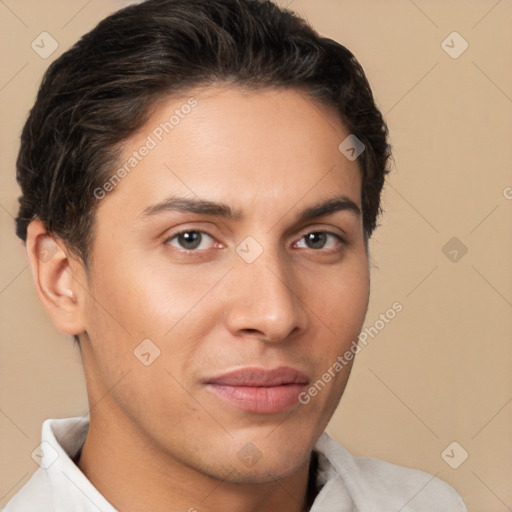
(342, 307)
(340, 299)
(142, 299)
(353, 298)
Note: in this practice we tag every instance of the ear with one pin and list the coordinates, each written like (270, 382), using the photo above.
(57, 277)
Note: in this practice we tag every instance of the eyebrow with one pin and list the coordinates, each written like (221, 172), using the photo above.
(185, 205)
(222, 210)
(336, 204)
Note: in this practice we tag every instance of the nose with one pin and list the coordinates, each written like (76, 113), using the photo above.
(263, 300)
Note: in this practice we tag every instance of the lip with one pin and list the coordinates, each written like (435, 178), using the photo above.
(259, 390)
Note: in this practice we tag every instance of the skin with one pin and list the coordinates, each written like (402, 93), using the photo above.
(158, 439)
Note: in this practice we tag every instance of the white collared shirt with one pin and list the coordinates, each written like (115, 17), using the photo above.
(349, 484)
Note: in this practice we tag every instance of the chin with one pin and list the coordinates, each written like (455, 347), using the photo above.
(264, 470)
(264, 475)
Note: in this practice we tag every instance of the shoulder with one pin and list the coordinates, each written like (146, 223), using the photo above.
(34, 496)
(409, 489)
(58, 481)
(375, 484)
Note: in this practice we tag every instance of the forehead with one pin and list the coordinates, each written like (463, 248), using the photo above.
(265, 150)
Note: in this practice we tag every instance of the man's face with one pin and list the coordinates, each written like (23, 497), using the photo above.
(263, 289)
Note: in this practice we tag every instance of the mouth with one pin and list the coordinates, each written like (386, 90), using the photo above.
(259, 390)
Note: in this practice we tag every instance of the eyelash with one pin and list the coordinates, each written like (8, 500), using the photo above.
(338, 237)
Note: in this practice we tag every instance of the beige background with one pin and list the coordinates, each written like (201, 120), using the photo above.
(440, 371)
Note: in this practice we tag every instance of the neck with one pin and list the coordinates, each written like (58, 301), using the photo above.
(135, 477)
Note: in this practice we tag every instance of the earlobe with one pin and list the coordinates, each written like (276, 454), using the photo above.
(54, 277)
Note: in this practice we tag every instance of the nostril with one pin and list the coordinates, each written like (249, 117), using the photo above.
(250, 331)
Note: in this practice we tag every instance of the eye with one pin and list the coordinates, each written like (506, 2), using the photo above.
(319, 239)
(190, 240)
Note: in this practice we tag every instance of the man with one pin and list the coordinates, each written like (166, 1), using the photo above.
(200, 180)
